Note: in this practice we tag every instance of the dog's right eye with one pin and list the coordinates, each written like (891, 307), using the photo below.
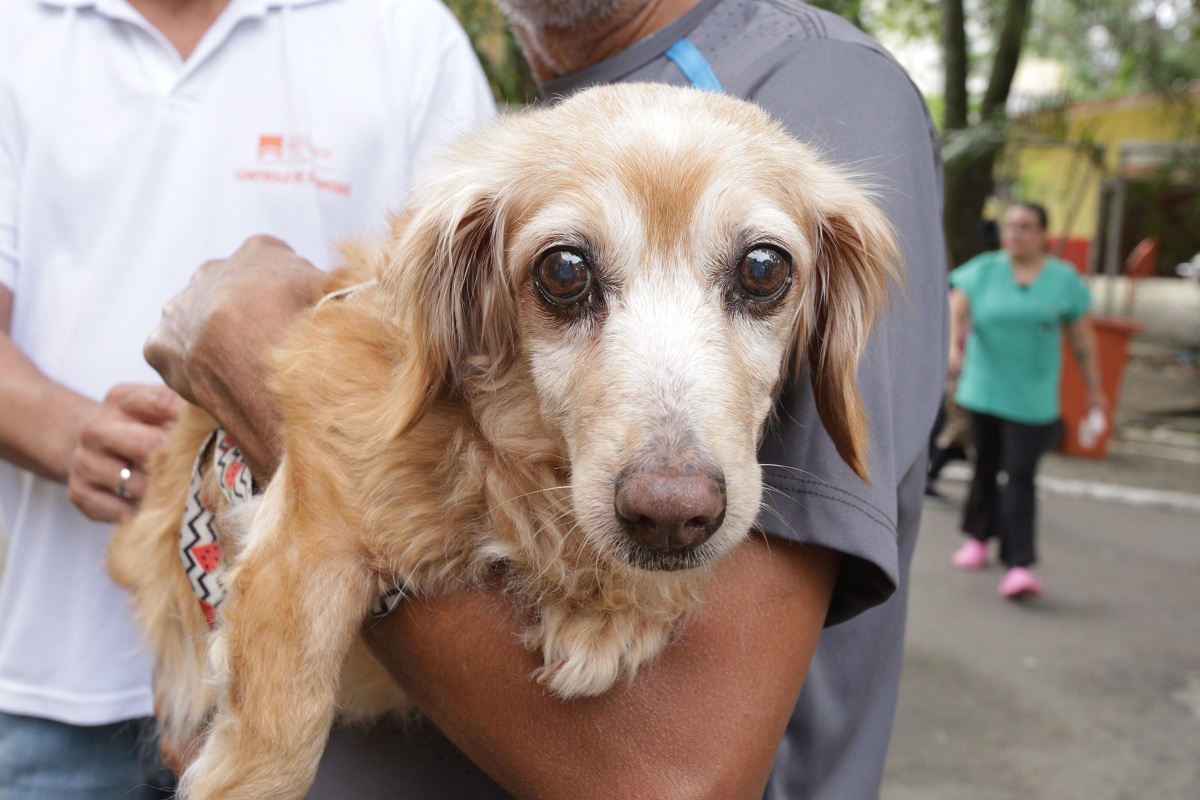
(563, 276)
(764, 274)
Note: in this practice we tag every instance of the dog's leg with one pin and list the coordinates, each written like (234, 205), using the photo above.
(143, 557)
(586, 652)
(296, 600)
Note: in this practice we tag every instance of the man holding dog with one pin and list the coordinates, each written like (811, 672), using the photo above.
(734, 708)
(136, 138)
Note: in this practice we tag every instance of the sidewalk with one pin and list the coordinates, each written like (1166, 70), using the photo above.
(1091, 692)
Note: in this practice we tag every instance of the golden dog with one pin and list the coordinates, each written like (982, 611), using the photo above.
(560, 375)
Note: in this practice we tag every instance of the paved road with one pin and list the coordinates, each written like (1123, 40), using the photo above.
(1090, 693)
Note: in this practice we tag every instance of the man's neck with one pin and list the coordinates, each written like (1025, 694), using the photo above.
(182, 22)
(553, 52)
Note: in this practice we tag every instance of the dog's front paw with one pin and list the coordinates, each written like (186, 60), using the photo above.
(580, 676)
(586, 655)
(239, 764)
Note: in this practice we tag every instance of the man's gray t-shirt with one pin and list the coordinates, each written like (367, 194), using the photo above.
(834, 87)
(837, 89)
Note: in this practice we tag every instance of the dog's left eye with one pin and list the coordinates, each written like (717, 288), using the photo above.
(563, 276)
(764, 273)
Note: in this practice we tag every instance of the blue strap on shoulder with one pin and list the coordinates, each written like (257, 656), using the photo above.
(694, 66)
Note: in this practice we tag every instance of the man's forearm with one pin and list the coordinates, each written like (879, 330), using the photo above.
(41, 418)
(702, 721)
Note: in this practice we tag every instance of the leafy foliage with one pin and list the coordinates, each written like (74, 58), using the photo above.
(1115, 47)
(1111, 48)
(503, 63)
(850, 9)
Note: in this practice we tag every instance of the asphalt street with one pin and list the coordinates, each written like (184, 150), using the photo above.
(1091, 691)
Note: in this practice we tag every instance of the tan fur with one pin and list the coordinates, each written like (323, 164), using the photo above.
(443, 426)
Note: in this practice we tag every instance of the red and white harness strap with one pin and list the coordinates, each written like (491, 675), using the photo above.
(199, 545)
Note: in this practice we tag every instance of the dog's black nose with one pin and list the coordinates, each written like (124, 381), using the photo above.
(670, 511)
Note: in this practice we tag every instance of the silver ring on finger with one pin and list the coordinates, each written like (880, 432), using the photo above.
(122, 489)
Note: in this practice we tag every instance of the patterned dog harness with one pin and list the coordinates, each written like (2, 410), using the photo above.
(199, 545)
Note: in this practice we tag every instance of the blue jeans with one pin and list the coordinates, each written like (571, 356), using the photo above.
(41, 759)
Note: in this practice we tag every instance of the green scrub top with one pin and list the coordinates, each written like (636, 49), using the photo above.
(1013, 360)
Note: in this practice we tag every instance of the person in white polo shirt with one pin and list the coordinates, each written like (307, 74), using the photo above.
(139, 138)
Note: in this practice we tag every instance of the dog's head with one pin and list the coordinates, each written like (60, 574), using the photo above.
(656, 261)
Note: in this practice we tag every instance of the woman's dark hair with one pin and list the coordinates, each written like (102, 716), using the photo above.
(989, 235)
(1037, 209)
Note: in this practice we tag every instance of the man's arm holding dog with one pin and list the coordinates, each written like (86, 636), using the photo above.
(702, 721)
(58, 433)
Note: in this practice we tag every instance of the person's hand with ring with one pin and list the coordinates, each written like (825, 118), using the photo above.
(123, 484)
(107, 476)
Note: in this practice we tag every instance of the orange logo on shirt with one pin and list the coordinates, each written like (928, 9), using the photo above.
(292, 160)
(270, 147)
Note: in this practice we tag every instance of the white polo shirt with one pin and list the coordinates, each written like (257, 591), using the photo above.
(122, 168)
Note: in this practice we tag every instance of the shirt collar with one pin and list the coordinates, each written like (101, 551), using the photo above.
(615, 68)
(250, 7)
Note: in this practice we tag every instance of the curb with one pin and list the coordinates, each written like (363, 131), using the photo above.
(1095, 490)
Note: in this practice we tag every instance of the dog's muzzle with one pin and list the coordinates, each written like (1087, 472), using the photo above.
(667, 512)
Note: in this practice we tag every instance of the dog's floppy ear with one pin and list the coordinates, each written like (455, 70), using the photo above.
(855, 254)
(446, 283)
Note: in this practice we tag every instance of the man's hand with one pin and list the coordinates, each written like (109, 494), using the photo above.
(131, 423)
(212, 341)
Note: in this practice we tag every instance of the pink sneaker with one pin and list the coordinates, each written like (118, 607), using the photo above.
(973, 555)
(1019, 583)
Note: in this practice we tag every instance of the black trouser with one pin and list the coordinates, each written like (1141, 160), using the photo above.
(1006, 512)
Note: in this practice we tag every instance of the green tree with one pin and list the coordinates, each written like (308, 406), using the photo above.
(973, 141)
(850, 9)
(1111, 48)
(980, 40)
(503, 62)
(1114, 47)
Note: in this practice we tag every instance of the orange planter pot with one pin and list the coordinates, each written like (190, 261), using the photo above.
(1112, 340)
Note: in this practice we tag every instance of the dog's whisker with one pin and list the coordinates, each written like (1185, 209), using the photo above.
(555, 518)
(782, 521)
(567, 487)
(797, 469)
(561, 541)
(781, 493)
(598, 566)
